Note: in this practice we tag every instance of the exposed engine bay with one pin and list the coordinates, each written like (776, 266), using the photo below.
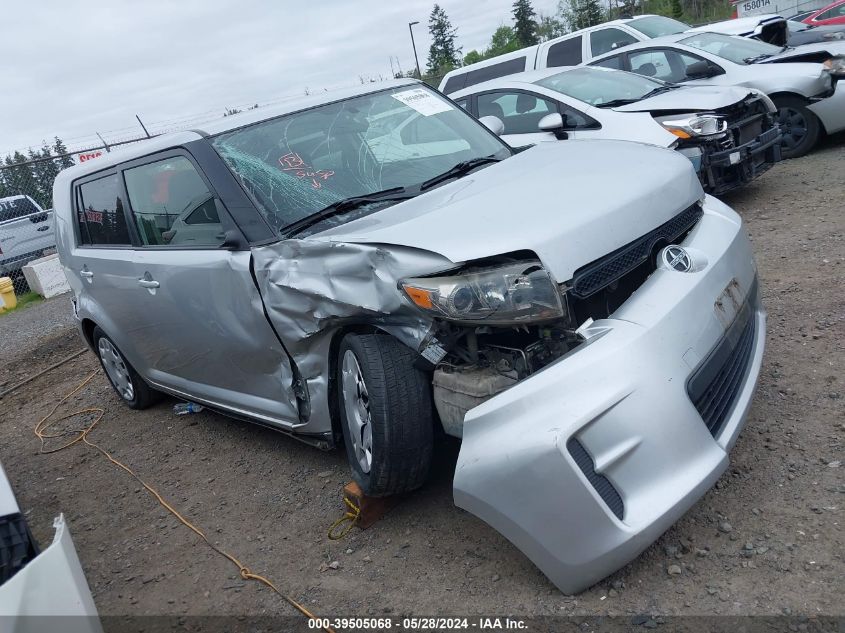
(479, 361)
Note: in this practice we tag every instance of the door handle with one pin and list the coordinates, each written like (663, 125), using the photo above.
(148, 283)
(42, 228)
(86, 273)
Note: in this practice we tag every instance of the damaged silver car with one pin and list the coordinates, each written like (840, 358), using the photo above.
(371, 265)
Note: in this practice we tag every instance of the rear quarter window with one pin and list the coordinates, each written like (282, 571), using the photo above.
(99, 213)
(565, 53)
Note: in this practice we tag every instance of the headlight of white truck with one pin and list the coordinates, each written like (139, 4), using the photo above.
(698, 125)
(511, 294)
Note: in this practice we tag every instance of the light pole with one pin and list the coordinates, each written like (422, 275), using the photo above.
(416, 59)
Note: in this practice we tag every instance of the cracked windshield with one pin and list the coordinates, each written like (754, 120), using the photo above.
(300, 164)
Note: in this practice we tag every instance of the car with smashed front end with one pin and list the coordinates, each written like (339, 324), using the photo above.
(803, 82)
(580, 314)
(728, 133)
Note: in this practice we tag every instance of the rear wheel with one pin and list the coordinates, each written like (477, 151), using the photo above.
(799, 126)
(386, 414)
(123, 378)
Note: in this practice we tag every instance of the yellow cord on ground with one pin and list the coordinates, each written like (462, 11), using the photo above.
(350, 518)
(81, 435)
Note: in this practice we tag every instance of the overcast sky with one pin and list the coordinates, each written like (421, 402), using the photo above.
(75, 67)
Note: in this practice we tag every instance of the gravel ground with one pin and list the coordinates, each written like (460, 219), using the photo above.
(766, 540)
(25, 328)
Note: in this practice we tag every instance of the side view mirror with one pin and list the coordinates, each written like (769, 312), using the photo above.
(553, 123)
(702, 70)
(493, 123)
(232, 241)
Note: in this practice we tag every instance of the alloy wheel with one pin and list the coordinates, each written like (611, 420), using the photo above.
(356, 403)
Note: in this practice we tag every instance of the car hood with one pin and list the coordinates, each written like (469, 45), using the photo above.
(817, 51)
(569, 203)
(738, 26)
(689, 99)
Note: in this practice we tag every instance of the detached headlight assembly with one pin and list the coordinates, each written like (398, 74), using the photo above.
(836, 66)
(512, 294)
(694, 126)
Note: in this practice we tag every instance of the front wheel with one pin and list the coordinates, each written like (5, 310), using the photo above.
(386, 414)
(799, 126)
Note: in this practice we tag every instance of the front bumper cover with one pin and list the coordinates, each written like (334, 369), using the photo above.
(730, 168)
(622, 397)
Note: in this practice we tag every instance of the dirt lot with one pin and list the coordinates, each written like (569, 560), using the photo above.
(767, 539)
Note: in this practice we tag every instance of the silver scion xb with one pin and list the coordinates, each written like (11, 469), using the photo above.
(369, 266)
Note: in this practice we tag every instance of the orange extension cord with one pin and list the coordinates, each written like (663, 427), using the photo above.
(81, 435)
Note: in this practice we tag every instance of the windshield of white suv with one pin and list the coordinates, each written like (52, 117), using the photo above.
(658, 26)
(739, 50)
(360, 153)
(602, 87)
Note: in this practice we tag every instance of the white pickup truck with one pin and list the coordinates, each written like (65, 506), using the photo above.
(26, 231)
(581, 46)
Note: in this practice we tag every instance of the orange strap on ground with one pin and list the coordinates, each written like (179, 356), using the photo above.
(81, 435)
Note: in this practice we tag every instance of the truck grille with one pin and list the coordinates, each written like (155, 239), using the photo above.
(602, 272)
(715, 385)
(602, 484)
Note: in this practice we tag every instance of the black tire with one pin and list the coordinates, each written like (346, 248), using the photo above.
(399, 410)
(143, 396)
(800, 127)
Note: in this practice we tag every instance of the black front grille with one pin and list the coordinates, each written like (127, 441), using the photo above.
(602, 272)
(746, 120)
(715, 385)
(17, 546)
(602, 484)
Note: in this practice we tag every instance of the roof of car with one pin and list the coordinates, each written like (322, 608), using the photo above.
(656, 42)
(522, 79)
(225, 124)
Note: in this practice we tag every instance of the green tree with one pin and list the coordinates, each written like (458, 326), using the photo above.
(677, 9)
(64, 159)
(472, 57)
(524, 26)
(443, 54)
(504, 40)
(45, 171)
(579, 14)
(549, 27)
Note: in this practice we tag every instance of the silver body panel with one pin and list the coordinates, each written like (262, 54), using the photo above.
(200, 333)
(624, 397)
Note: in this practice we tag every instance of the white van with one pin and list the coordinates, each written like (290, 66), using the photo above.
(581, 46)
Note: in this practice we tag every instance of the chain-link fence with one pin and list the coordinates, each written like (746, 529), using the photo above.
(27, 230)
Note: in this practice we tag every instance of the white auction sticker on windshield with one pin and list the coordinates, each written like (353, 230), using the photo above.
(422, 101)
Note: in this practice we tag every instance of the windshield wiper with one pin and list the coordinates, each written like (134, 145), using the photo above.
(620, 102)
(345, 205)
(757, 58)
(456, 171)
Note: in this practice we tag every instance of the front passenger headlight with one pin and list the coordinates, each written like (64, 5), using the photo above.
(512, 294)
(699, 125)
